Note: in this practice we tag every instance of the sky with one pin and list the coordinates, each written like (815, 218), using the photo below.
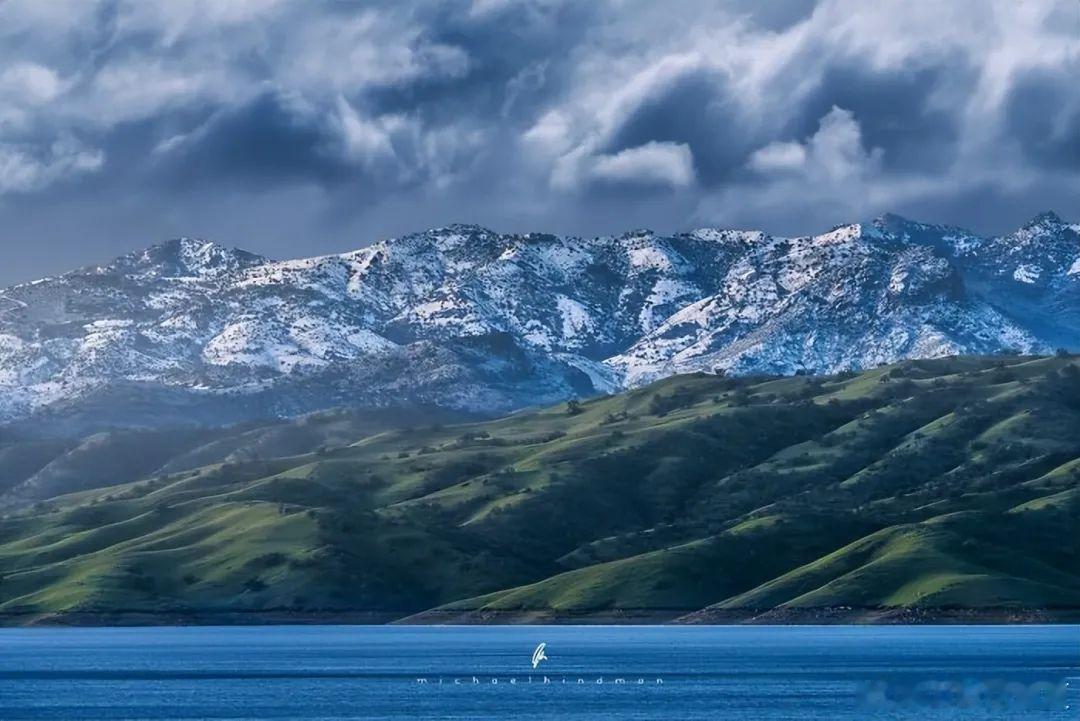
(295, 128)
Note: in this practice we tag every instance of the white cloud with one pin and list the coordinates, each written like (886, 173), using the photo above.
(668, 164)
(778, 157)
(26, 89)
(171, 22)
(551, 135)
(137, 89)
(23, 170)
(369, 49)
(836, 149)
(365, 140)
(830, 159)
(29, 83)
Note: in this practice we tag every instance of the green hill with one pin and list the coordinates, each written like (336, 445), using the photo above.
(923, 488)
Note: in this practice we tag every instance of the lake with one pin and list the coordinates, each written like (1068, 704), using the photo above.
(609, 672)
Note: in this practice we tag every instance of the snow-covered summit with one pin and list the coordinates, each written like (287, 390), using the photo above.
(468, 317)
(182, 258)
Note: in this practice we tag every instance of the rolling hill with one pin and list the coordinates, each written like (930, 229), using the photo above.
(915, 491)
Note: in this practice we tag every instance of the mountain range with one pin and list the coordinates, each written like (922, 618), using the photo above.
(465, 318)
(928, 490)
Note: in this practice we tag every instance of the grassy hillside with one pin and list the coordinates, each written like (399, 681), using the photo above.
(35, 468)
(939, 484)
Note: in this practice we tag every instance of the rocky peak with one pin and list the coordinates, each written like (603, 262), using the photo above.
(1044, 235)
(1045, 219)
(184, 257)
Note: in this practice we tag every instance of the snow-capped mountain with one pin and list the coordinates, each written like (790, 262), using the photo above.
(465, 317)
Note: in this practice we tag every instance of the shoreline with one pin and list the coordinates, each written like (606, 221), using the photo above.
(839, 616)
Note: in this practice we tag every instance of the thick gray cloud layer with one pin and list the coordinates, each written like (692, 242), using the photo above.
(294, 128)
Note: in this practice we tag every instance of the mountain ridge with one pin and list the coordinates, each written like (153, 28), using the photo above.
(464, 317)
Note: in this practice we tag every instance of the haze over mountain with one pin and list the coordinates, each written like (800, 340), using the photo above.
(466, 318)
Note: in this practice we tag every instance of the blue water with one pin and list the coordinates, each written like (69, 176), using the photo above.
(737, 673)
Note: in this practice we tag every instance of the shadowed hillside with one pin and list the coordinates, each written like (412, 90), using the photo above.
(907, 492)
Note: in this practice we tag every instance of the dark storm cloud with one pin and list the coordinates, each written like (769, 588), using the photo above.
(296, 127)
(1043, 115)
(897, 109)
(696, 108)
(269, 140)
(516, 55)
